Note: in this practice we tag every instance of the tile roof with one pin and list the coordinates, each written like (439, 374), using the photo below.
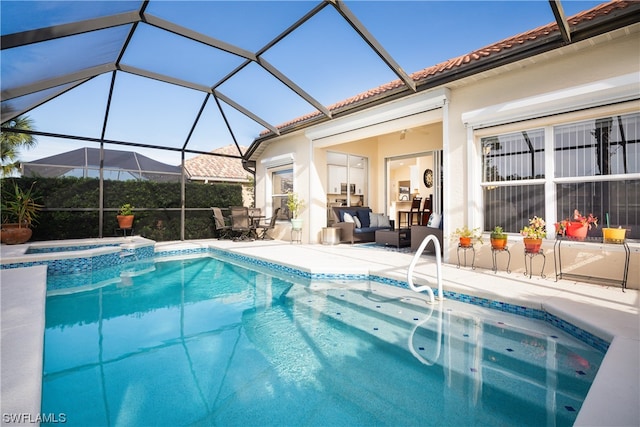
(218, 168)
(469, 59)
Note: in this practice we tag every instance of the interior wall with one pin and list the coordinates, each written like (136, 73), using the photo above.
(366, 148)
(416, 140)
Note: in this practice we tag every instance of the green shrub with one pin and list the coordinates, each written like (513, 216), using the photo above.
(71, 207)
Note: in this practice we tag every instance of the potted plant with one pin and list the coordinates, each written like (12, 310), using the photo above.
(498, 238)
(467, 237)
(578, 227)
(533, 234)
(125, 216)
(20, 211)
(295, 205)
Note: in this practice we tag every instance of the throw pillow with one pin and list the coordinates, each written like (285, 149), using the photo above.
(363, 215)
(373, 219)
(357, 221)
(348, 217)
(383, 221)
(434, 220)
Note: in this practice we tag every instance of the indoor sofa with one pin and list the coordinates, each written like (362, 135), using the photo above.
(357, 225)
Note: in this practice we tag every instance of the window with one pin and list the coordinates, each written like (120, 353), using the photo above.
(594, 168)
(594, 160)
(281, 184)
(347, 179)
(513, 178)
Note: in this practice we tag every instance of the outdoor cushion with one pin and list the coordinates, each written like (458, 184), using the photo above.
(434, 220)
(357, 221)
(347, 217)
(363, 214)
(373, 220)
(379, 220)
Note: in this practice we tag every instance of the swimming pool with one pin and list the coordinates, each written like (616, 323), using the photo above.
(205, 341)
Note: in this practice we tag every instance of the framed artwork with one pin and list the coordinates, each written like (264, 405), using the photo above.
(404, 191)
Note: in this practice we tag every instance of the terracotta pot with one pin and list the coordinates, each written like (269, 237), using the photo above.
(465, 242)
(498, 244)
(11, 234)
(125, 221)
(576, 230)
(532, 245)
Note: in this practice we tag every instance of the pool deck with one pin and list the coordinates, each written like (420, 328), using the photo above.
(605, 311)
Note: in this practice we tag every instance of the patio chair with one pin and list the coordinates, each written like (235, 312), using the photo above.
(254, 212)
(223, 231)
(241, 223)
(426, 210)
(255, 215)
(415, 210)
(270, 225)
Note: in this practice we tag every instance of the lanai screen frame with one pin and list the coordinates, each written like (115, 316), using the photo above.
(54, 86)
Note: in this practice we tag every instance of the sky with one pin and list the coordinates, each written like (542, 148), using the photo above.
(325, 57)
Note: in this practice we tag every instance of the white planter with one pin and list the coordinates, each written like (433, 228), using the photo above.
(296, 223)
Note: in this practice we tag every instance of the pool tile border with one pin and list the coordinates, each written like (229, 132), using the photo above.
(87, 264)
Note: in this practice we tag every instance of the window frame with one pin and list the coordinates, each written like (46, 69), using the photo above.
(550, 181)
(271, 195)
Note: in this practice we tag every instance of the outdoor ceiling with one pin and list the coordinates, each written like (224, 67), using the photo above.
(193, 76)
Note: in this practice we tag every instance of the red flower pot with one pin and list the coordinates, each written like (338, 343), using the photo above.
(576, 230)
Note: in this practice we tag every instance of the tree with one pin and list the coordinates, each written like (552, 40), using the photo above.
(12, 142)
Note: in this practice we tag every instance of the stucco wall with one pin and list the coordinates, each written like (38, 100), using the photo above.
(536, 76)
(577, 64)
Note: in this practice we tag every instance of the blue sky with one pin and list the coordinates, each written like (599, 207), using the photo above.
(325, 57)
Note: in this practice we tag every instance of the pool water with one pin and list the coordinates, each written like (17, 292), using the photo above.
(204, 342)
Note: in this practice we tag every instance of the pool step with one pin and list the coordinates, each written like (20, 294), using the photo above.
(502, 351)
(392, 321)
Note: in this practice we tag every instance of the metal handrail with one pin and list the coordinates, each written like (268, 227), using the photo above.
(414, 261)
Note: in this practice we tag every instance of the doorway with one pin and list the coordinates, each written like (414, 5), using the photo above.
(412, 175)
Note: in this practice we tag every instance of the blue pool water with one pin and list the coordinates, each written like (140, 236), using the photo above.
(205, 342)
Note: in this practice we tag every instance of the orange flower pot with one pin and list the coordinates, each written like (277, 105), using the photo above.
(498, 244)
(125, 221)
(532, 245)
(465, 242)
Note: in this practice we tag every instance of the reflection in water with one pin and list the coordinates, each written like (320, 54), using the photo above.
(204, 342)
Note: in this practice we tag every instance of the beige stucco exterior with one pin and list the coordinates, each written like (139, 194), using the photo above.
(436, 120)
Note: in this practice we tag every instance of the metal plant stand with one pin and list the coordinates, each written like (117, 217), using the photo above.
(494, 254)
(599, 245)
(531, 256)
(465, 249)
